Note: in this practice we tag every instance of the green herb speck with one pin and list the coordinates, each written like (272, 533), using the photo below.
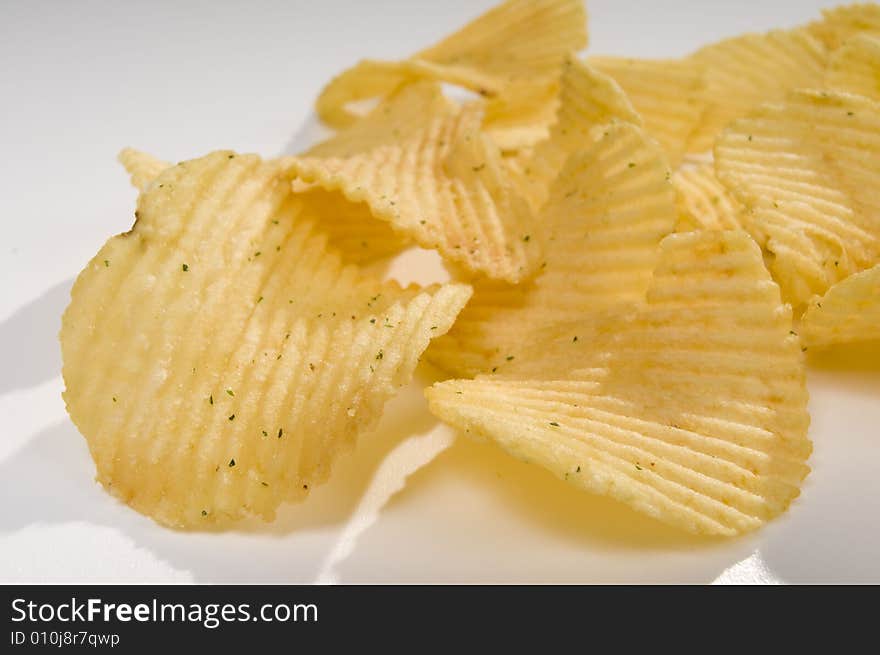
(185, 268)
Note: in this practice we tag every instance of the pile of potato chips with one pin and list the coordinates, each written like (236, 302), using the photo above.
(642, 251)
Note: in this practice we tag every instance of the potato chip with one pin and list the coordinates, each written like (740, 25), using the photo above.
(745, 71)
(703, 202)
(855, 68)
(808, 171)
(217, 357)
(669, 95)
(848, 312)
(839, 24)
(609, 208)
(512, 53)
(520, 115)
(589, 101)
(351, 227)
(143, 168)
(447, 186)
(400, 116)
(692, 409)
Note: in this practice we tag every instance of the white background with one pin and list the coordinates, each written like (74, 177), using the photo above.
(80, 80)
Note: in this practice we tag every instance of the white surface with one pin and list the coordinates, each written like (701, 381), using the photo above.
(80, 80)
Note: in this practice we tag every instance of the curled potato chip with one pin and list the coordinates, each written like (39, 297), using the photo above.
(589, 101)
(808, 172)
(669, 95)
(142, 167)
(350, 226)
(691, 409)
(400, 116)
(848, 312)
(855, 68)
(217, 357)
(703, 202)
(745, 71)
(839, 24)
(520, 115)
(446, 185)
(608, 210)
(511, 54)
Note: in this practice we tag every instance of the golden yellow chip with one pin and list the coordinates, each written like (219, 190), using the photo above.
(447, 186)
(745, 71)
(692, 410)
(840, 24)
(703, 202)
(350, 226)
(808, 172)
(400, 116)
(521, 115)
(512, 53)
(143, 168)
(849, 311)
(669, 95)
(589, 101)
(218, 357)
(855, 68)
(609, 208)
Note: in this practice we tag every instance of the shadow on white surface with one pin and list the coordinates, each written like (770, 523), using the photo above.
(29, 346)
(49, 482)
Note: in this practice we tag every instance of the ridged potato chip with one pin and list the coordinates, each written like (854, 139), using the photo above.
(400, 116)
(848, 312)
(218, 357)
(669, 95)
(703, 202)
(521, 115)
(609, 208)
(512, 55)
(589, 101)
(745, 71)
(855, 68)
(808, 172)
(141, 167)
(692, 409)
(350, 226)
(446, 186)
(839, 24)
